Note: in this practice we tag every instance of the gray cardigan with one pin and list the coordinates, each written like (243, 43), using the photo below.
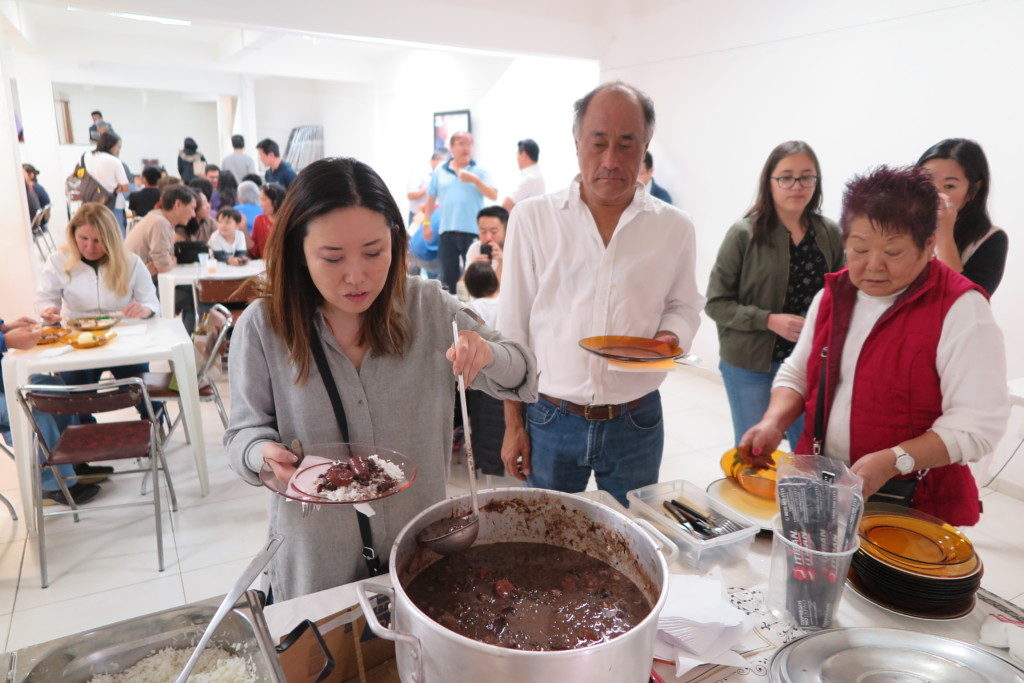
(749, 281)
(403, 403)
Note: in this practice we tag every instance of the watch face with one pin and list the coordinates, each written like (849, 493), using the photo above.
(905, 463)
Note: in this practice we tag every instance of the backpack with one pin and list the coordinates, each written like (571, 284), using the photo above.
(81, 186)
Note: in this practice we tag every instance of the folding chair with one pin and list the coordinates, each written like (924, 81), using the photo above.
(95, 443)
(240, 290)
(41, 236)
(209, 339)
(3, 499)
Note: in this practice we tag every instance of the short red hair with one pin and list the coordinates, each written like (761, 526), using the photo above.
(896, 200)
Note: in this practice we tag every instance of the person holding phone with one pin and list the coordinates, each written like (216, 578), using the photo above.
(491, 223)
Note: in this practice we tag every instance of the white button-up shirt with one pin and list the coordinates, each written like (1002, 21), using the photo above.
(561, 284)
(531, 184)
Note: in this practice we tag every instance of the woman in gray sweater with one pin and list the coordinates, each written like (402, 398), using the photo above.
(336, 279)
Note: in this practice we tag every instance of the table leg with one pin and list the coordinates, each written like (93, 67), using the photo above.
(165, 287)
(183, 358)
(21, 435)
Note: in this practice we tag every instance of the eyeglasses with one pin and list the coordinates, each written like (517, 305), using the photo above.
(786, 182)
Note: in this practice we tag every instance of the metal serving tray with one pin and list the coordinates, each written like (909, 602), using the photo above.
(887, 654)
(113, 648)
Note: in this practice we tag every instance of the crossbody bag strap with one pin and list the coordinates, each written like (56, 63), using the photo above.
(373, 564)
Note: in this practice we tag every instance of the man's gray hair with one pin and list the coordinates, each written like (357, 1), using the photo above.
(643, 99)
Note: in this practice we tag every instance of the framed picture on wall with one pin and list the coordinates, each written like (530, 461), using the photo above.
(448, 122)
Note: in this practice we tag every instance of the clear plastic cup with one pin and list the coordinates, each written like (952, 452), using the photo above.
(203, 259)
(805, 585)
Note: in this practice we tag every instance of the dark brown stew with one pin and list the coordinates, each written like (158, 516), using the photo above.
(529, 596)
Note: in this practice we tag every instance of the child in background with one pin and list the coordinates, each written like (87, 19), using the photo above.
(228, 243)
(482, 285)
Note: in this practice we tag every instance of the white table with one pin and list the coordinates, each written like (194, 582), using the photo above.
(188, 274)
(162, 340)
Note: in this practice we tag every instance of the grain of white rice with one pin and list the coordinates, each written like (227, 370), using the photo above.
(215, 665)
(356, 491)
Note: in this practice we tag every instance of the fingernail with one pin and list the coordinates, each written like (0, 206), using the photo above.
(757, 451)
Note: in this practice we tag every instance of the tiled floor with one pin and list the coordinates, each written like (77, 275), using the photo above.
(104, 568)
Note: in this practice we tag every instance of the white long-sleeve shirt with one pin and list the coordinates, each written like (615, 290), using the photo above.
(561, 284)
(83, 291)
(970, 360)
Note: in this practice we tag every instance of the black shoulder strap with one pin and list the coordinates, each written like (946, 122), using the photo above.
(373, 563)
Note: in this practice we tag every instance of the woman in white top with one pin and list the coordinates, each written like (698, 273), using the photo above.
(104, 165)
(94, 274)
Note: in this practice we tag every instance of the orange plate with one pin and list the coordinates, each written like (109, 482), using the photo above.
(100, 341)
(94, 323)
(634, 349)
(52, 335)
(758, 482)
(916, 542)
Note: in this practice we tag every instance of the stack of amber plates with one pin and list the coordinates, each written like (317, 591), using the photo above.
(915, 564)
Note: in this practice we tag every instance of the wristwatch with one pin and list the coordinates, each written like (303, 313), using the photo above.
(905, 463)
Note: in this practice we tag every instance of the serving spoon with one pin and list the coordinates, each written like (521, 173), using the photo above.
(454, 534)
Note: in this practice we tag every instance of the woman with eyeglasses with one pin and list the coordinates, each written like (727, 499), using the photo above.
(966, 240)
(769, 267)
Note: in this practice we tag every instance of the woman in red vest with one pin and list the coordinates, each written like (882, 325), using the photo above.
(900, 367)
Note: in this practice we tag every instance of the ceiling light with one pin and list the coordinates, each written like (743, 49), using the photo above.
(169, 21)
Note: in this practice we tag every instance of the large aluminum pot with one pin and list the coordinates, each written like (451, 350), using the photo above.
(430, 653)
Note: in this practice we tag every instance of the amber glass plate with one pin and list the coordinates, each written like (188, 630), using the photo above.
(319, 457)
(52, 335)
(952, 611)
(761, 510)
(100, 340)
(630, 349)
(93, 323)
(760, 482)
(916, 542)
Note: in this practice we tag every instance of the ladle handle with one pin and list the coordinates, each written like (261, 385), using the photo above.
(470, 462)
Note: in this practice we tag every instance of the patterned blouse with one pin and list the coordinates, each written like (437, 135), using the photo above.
(807, 270)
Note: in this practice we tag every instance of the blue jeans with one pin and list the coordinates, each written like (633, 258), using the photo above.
(624, 453)
(50, 425)
(122, 221)
(749, 392)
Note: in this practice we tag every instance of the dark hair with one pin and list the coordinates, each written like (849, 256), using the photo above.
(233, 214)
(972, 221)
(275, 192)
(255, 178)
(212, 167)
(481, 280)
(202, 185)
(151, 174)
(107, 141)
(648, 161)
(495, 211)
(896, 201)
(529, 148)
(643, 99)
(237, 142)
(96, 113)
(227, 188)
(441, 153)
(763, 210)
(176, 193)
(291, 297)
(190, 146)
(268, 146)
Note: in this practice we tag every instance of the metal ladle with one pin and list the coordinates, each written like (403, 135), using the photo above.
(455, 534)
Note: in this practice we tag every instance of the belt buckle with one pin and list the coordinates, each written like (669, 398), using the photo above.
(607, 414)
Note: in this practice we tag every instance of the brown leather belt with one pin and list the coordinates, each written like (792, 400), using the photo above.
(597, 413)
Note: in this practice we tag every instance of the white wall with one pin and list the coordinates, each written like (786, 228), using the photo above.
(151, 123)
(727, 91)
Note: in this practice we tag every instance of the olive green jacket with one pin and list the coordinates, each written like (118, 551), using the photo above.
(749, 281)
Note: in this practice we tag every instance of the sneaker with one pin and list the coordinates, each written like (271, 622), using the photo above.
(92, 474)
(81, 493)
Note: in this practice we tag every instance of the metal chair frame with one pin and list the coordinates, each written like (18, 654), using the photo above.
(3, 499)
(204, 373)
(41, 236)
(156, 457)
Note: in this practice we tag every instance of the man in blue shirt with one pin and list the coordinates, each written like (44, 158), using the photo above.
(460, 186)
(278, 170)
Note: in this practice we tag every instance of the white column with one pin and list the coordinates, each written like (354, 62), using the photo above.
(17, 274)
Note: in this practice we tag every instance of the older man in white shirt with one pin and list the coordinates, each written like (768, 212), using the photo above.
(600, 257)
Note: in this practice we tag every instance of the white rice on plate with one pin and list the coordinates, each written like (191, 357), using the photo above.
(215, 665)
(355, 491)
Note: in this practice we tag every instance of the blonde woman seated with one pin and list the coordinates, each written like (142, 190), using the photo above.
(92, 274)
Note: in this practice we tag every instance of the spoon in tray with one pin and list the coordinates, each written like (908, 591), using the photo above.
(454, 534)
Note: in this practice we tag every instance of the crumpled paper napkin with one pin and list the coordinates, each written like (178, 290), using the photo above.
(1003, 632)
(698, 625)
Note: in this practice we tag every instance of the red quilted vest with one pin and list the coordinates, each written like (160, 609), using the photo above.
(896, 391)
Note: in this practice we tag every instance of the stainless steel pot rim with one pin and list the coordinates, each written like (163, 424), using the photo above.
(546, 654)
